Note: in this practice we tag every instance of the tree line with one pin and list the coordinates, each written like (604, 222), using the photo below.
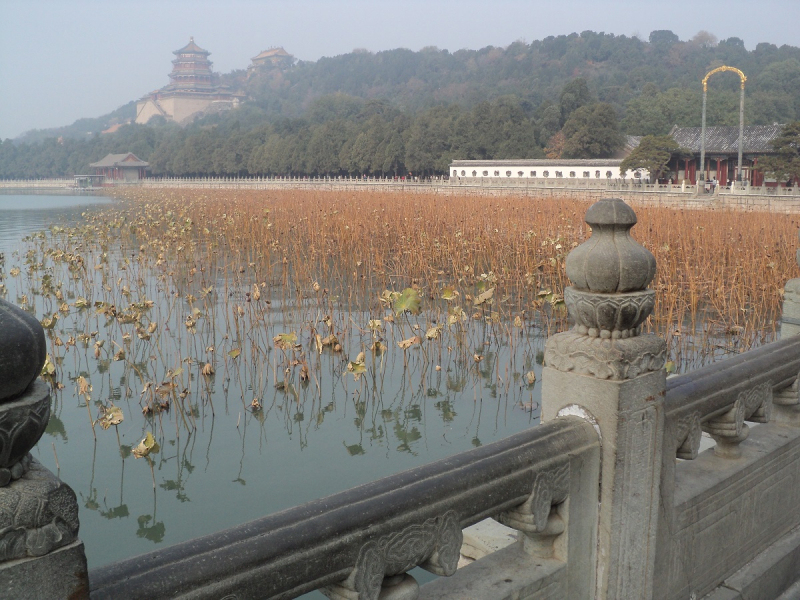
(340, 135)
(395, 112)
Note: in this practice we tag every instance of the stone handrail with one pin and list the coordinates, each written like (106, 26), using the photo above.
(351, 542)
(743, 384)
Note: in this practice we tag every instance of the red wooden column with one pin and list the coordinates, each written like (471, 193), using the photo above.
(756, 177)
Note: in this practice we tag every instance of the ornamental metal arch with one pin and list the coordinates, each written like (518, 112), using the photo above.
(743, 79)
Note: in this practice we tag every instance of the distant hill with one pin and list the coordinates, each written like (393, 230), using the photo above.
(83, 127)
(615, 67)
(528, 90)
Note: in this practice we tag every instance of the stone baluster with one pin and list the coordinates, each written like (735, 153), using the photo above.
(790, 323)
(786, 404)
(40, 553)
(380, 569)
(730, 429)
(541, 519)
(606, 371)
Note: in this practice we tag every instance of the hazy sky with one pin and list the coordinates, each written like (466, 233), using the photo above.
(63, 60)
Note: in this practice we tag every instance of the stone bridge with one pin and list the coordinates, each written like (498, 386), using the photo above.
(611, 496)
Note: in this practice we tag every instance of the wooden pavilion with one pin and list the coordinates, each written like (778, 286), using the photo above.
(121, 168)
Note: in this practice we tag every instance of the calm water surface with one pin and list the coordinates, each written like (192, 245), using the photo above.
(233, 464)
(21, 215)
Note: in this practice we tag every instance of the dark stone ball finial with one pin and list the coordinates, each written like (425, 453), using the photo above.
(24, 400)
(23, 351)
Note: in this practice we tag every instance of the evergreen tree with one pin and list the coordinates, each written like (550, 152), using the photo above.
(653, 155)
(592, 132)
(785, 164)
(573, 96)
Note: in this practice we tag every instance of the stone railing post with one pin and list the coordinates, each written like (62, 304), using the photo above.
(40, 553)
(608, 372)
(790, 323)
(786, 403)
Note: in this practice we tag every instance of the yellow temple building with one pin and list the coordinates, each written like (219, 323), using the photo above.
(270, 59)
(191, 90)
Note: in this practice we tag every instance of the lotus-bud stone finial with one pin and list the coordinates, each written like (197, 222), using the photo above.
(610, 273)
(611, 260)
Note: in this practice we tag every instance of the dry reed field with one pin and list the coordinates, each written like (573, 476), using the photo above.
(719, 283)
(283, 290)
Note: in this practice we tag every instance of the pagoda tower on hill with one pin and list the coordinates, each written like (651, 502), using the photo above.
(191, 90)
(191, 69)
(274, 58)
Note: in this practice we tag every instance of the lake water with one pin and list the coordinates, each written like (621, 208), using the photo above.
(221, 463)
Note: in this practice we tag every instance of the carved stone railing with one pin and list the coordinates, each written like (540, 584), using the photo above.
(725, 507)
(361, 543)
(727, 511)
(720, 397)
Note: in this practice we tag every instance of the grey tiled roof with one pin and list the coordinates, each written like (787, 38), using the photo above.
(192, 48)
(757, 138)
(119, 160)
(632, 142)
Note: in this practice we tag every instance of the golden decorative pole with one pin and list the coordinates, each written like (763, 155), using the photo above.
(741, 119)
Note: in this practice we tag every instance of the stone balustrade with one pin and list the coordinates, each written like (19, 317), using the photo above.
(361, 543)
(673, 521)
(720, 397)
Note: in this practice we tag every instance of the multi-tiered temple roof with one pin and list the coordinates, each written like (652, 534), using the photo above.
(191, 69)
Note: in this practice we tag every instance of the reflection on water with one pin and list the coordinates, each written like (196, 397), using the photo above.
(256, 436)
